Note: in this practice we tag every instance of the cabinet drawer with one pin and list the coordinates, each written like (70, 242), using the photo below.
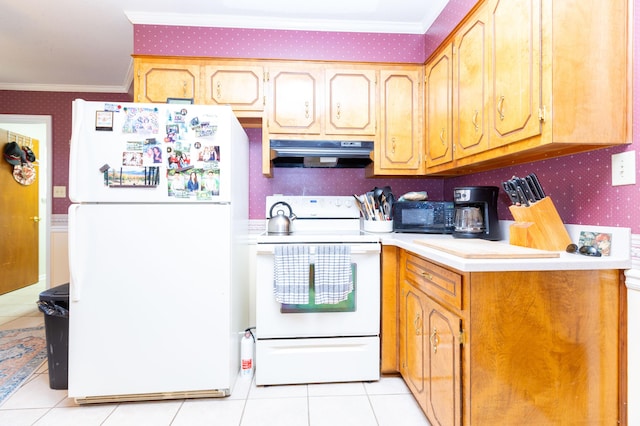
(436, 281)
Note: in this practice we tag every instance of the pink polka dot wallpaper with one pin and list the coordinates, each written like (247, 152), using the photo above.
(580, 185)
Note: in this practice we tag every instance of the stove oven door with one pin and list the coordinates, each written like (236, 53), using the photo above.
(359, 315)
(319, 343)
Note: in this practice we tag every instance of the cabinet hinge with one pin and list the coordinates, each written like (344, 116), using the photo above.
(542, 113)
(462, 337)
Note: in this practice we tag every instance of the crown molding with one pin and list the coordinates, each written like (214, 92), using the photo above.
(255, 22)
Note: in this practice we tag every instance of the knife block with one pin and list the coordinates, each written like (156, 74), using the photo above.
(538, 226)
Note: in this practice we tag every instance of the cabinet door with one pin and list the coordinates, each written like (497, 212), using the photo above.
(294, 100)
(443, 370)
(470, 132)
(158, 81)
(413, 341)
(438, 114)
(400, 147)
(241, 87)
(515, 71)
(350, 102)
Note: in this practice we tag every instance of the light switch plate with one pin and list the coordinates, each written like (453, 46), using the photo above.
(623, 168)
(59, 191)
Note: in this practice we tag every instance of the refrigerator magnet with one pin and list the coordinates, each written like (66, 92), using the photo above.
(104, 120)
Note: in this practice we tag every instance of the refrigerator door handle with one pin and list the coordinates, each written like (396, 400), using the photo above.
(78, 108)
(73, 255)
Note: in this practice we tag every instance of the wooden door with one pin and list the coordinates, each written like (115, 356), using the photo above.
(157, 81)
(350, 107)
(413, 341)
(515, 70)
(239, 86)
(295, 98)
(443, 370)
(19, 219)
(471, 88)
(439, 80)
(400, 148)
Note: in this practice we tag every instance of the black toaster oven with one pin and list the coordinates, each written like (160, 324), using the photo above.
(427, 217)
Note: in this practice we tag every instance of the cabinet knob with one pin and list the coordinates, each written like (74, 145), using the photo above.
(36, 219)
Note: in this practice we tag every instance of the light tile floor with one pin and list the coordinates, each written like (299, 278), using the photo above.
(382, 403)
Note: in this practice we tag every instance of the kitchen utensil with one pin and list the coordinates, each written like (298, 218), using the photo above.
(280, 224)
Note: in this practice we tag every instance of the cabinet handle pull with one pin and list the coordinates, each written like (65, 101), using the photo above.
(500, 107)
(219, 90)
(306, 109)
(338, 111)
(474, 121)
(393, 145)
(184, 89)
(442, 137)
(417, 325)
(427, 275)
(434, 339)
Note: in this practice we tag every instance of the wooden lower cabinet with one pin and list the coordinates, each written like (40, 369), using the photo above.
(520, 348)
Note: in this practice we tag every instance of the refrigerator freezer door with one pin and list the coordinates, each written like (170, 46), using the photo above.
(150, 153)
(150, 299)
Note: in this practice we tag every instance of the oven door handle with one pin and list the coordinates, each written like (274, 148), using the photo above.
(355, 249)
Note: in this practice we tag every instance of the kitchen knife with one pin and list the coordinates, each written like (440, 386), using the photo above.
(522, 184)
(511, 192)
(533, 188)
(524, 200)
(537, 184)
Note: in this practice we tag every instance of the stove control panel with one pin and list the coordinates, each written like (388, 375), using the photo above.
(317, 207)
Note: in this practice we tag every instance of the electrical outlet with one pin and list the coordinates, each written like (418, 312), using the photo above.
(59, 191)
(623, 168)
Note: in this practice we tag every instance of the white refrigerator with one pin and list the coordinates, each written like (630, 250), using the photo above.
(158, 251)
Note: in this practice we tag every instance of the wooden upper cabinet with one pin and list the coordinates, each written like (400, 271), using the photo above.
(157, 80)
(295, 99)
(399, 150)
(438, 115)
(515, 36)
(350, 107)
(239, 86)
(471, 86)
(591, 58)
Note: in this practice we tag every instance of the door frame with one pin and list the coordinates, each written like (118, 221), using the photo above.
(44, 188)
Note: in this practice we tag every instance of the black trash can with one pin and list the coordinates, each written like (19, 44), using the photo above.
(54, 303)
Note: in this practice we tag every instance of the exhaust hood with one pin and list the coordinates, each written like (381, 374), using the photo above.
(305, 153)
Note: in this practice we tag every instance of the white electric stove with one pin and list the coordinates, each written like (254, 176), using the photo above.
(319, 343)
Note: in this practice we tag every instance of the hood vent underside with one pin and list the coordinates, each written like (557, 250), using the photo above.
(304, 153)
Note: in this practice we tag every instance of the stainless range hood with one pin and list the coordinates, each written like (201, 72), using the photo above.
(303, 153)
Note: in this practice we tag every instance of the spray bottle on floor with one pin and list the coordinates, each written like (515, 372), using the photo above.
(246, 353)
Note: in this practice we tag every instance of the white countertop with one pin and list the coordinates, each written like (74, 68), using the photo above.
(620, 257)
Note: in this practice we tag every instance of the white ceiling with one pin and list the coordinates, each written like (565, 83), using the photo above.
(80, 45)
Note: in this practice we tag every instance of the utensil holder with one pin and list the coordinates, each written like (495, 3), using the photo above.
(378, 226)
(538, 226)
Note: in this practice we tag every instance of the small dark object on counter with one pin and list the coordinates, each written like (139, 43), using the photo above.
(584, 250)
